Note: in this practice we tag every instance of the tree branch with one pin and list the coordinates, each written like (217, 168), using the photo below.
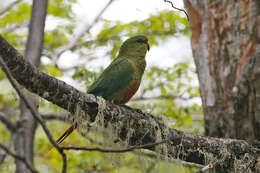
(17, 157)
(12, 28)
(129, 125)
(178, 8)
(5, 9)
(160, 97)
(34, 114)
(59, 116)
(9, 124)
(72, 44)
(114, 150)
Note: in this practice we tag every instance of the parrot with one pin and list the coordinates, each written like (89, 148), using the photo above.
(121, 79)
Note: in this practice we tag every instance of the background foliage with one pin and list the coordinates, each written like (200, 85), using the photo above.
(169, 92)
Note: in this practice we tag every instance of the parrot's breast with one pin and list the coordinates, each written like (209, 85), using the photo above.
(128, 94)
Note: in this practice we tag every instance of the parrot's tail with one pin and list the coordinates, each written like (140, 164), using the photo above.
(66, 133)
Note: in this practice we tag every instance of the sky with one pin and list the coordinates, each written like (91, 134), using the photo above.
(168, 52)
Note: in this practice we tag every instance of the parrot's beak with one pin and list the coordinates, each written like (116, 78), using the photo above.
(148, 46)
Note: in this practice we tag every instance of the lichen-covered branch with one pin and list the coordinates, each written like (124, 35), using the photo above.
(131, 126)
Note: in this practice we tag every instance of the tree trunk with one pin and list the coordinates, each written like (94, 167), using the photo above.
(226, 48)
(24, 138)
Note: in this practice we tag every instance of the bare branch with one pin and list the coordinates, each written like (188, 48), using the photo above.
(161, 97)
(59, 116)
(15, 156)
(77, 37)
(5, 9)
(7, 122)
(178, 8)
(114, 150)
(3, 153)
(34, 114)
(12, 28)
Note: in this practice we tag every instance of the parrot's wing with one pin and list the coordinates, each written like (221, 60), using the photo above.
(115, 77)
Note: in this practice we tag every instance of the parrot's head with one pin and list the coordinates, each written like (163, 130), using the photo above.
(136, 46)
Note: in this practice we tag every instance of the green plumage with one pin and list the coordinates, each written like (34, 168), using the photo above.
(121, 79)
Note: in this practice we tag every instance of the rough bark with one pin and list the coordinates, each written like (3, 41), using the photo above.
(24, 136)
(131, 126)
(226, 49)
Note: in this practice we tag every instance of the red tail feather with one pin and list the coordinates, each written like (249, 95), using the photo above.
(67, 132)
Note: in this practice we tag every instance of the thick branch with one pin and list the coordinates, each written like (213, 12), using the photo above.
(145, 128)
(7, 122)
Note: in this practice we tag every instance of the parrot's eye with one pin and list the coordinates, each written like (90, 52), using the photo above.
(140, 41)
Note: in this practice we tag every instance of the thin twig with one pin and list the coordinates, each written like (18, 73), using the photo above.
(72, 44)
(5, 9)
(34, 114)
(152, 155)
(114, 150)
(178, 8)
(15, 156)
(161, 97)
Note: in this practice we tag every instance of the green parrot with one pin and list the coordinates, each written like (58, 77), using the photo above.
(122, 78)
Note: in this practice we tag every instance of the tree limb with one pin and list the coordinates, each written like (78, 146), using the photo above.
(9, 124)
(72, 44)
(129, 125)
(160, 97)
(34, 114)
(5, 9)
(59, 116)
(17, 157)
(178, 9)
(12, 28)
(114, 150)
